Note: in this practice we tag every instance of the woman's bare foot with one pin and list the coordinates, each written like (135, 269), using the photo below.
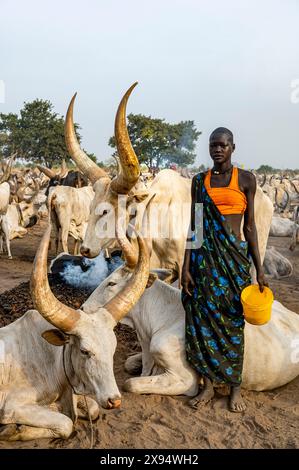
(203, 397)
(236, 402)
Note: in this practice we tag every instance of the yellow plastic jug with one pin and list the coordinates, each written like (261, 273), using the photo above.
(257, 305)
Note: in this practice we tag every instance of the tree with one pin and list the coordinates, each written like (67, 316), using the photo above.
(158, 143)
(37, 135)
(266, 169)
(10, 134)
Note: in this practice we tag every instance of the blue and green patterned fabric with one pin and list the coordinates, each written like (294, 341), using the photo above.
(214, 314)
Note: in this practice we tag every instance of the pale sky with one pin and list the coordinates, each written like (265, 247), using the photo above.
(218, 63)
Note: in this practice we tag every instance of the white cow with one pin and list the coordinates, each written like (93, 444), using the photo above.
(295, 234)
(168, 197)
(18, 218)
(4, 235)
(4, 231)
(41, 366)
(276, 265)
(281, 227)
(70, 208)
(270, 360)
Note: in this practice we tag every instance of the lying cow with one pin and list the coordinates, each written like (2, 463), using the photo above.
(40, 365)
(276, 265)
(159, 320)
(281, 227)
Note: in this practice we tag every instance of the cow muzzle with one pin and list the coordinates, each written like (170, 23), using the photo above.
(85, 251)
(32, 221)
(113, 403)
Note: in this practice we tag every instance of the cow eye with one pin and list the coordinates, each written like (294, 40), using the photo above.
(85, 353)
(111, 283)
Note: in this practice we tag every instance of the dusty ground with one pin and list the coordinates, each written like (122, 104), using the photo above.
(271, 419)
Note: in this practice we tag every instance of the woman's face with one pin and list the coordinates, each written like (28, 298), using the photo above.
(221, 148)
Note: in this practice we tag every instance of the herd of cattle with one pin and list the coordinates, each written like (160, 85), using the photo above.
(79, 349)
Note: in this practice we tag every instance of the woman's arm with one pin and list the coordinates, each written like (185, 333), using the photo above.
(186, 276)
(249, 229)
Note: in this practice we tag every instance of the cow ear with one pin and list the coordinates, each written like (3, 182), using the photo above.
(138, 196)
(151, 279)
(55, 337)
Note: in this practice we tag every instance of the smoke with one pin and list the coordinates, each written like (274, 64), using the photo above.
(91, 272)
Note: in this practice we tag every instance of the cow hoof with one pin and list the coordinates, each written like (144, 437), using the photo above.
(129, 386)
(7, 431)
(10, 257)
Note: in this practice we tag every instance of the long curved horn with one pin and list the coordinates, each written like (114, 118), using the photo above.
(288, 199)
(64, 169)
(282, 206)
(125, 300)
(62, 317)
(83, 162)
(130, 170)
(294, 186)
(264, 180)
(7, 170)
(130, 255)
(49, 173)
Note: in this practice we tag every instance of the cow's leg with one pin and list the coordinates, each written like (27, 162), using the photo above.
(163, 384)
(77, 247)
(55, 229)
(133, 364)
(36, 422)
(1, 244)
(295, 238)
(57, 242)
(177, 379)
(64, 237)
(5, 230)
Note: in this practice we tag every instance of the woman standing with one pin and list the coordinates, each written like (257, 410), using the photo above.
(215, 274)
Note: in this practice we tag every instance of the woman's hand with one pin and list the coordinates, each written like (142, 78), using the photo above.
(261, 280)
(187, 282)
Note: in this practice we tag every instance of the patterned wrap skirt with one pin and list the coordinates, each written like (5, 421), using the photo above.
(214, 315)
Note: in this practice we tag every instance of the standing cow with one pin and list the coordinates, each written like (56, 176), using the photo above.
(70, 208)
(169, 197)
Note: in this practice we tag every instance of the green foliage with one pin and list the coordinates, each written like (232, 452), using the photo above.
(93, 157)
(37, 135)
(266, 169)
(270, 170)
(158, 143)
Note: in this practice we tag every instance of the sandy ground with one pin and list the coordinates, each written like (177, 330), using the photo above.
(271, 419)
